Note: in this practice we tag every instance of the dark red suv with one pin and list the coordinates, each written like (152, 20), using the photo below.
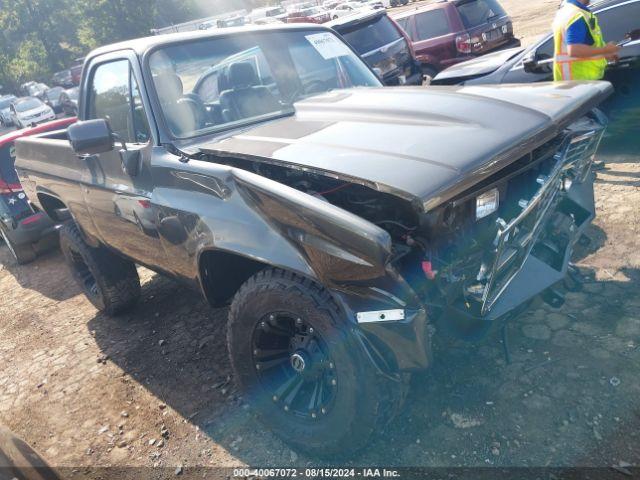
(448, 32)
(309, 15)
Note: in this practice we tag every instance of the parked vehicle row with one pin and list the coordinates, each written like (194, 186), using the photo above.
(535, 63)
(5, 110)
(309, 15)
(33, 89)
(26, 111)
(415, 43)
(450, 32)
(382, 44)
(618, 19)
(345, 223)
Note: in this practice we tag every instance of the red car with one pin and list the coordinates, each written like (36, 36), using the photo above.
(21, 225)
(309, 15)
(448, 32)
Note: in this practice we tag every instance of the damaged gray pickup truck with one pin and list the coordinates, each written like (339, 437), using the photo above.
(345, 223)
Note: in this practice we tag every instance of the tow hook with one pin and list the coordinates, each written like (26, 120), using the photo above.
(553, 298)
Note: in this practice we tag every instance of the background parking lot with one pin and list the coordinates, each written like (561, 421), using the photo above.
(153, 387)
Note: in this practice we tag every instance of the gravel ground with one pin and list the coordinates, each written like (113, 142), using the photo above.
(153, 387)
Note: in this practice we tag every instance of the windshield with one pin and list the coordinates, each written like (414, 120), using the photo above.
(214, 84)
(366, 37)
(478, 12)
(28, 104)
(5, 102)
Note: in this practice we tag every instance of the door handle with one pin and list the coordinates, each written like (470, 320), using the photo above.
(88, 157)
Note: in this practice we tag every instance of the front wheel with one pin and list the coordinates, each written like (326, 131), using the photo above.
(296, 359)
(110, 282)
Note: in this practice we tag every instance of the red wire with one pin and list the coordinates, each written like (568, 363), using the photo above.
(340, 187)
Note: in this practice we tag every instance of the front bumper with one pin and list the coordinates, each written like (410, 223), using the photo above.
(532, 253)
(533, 250)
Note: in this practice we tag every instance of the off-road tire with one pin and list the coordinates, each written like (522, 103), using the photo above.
(22, 253)
(365, 400)
(110, 282)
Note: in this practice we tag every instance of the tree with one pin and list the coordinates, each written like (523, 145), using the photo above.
(38, 37)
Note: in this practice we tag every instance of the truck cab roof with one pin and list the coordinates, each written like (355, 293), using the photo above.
(141, 45)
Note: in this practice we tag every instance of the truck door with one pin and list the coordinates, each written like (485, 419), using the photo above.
(119, 202)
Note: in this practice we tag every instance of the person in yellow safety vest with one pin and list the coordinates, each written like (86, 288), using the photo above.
(580, 50)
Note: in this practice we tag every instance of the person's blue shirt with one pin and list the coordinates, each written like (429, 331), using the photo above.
(578, 33)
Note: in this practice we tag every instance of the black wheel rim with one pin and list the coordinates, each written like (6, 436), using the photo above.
(82, 273)
(294, 366)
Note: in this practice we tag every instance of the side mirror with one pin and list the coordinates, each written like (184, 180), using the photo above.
(91, 137)
(530, 62)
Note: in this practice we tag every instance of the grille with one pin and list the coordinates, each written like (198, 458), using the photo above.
(582, 148)
(516, 238)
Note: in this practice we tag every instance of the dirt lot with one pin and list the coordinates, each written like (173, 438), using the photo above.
(153, 387)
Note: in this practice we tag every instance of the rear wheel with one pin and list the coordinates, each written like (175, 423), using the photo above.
(301, 368)
(22, 253)
(110, 282)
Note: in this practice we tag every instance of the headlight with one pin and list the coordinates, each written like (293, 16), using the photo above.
(487, 203)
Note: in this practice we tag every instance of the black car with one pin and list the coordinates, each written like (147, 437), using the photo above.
(381, 43)
(69, 101)
(617, 18)
(52, 98)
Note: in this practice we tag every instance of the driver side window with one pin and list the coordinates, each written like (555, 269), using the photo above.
(114, 96)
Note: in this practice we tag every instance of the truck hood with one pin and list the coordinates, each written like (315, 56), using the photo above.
(426, 145)
(483, 65)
